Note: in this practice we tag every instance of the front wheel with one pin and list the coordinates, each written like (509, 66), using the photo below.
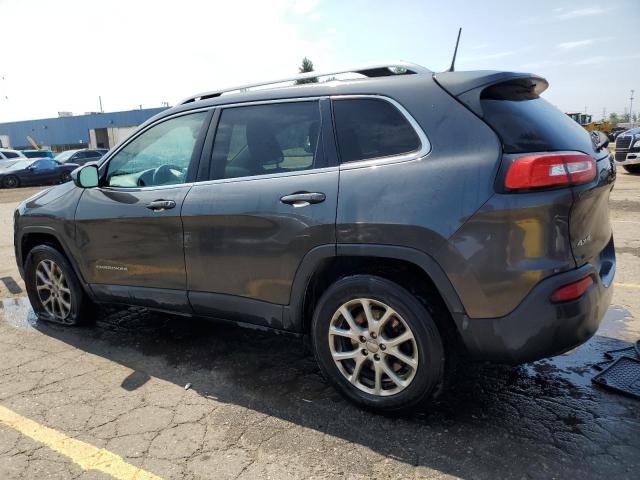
(66, 176)
(378, 345)
(11, 182)
(632, 168)
(54, 290)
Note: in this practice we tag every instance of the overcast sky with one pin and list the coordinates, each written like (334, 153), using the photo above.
(61, 55)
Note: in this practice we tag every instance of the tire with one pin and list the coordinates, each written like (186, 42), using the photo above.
(422, 383)
(632, 168)
(11, 182)
(66, 176)
(73, 306)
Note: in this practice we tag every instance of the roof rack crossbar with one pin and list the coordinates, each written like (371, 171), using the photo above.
(377, 70)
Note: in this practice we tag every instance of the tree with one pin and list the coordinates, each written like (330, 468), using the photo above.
(307, 66)
(613, 118)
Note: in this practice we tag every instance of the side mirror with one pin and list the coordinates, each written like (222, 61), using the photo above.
(86, 176)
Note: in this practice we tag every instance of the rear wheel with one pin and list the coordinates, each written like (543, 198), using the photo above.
(378, 345)
(632, 168)
(11, 182)
(54, 290)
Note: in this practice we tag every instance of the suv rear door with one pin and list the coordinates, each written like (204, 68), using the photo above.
(270, 199)
(128, 230)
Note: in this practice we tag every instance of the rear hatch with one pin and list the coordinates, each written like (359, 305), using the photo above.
(529, 126)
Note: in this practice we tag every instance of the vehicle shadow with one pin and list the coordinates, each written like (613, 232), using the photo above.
(539, 420)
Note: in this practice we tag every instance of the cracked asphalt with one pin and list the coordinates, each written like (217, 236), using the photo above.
(257, 406)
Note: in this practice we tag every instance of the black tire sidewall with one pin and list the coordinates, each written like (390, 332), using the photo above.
(632, 168)
(45, 252)
(6, 180)
(428, 377)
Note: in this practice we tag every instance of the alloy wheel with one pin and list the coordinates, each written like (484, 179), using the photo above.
(373, 347)
(10, 182)
(53, 290)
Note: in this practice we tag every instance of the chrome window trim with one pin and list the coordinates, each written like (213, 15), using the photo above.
(267, 176)
(425, 144)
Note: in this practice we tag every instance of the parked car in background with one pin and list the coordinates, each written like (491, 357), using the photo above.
(41, 171)
(41, 153)
(628, 150)
(353, 213)
(9, 154)
(82, 156)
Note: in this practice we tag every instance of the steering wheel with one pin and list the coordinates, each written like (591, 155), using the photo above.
(165, 174)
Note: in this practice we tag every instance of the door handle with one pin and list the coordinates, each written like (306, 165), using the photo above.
(159, 205)
(302, 199)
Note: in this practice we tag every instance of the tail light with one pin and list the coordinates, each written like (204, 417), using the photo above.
(550, 170)
(572, 291)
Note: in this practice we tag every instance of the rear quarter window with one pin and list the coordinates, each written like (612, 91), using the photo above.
(525, 122)
(372, 128)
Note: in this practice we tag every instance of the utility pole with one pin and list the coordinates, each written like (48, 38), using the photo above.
(631, 107)
(100, 100)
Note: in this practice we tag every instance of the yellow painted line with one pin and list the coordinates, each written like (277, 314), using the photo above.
(627, 285)
(88, 457)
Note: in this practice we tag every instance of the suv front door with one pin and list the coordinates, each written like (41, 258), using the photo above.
(270, 200)
(128, 230)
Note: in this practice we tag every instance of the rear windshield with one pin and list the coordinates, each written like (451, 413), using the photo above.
(527, 123)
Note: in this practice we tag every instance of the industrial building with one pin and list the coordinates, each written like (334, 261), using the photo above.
(92, 130)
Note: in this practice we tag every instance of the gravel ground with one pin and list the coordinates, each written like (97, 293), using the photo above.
(258, 408)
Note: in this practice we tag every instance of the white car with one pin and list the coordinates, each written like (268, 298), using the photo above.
(8, 154)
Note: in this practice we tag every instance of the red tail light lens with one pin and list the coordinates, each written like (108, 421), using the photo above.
(550, 170)
(571, 291)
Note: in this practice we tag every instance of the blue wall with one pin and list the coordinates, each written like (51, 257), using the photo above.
(71, 130)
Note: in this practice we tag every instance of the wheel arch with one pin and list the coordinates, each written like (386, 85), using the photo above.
(31, 237)
(412, 269)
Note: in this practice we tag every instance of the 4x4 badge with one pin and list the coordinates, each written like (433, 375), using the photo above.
(584, 241)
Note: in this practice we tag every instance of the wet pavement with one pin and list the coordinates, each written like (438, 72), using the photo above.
(257, 406)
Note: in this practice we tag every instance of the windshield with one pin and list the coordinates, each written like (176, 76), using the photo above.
(64, 156)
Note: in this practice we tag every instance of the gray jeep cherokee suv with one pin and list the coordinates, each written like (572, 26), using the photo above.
(391, 219)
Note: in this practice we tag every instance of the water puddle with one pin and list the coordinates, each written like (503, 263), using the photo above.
(17, 312)
(620, 323)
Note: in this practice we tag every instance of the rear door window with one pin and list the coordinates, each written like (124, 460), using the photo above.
(372, 128)
(11, 155)
(267, 139)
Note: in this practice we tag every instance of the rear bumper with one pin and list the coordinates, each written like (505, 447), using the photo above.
(538, 328)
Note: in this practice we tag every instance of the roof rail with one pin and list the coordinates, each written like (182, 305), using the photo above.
(376, 70)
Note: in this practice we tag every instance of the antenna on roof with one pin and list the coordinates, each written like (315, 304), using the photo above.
(455, 52)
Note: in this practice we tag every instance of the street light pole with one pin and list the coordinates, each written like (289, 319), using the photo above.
(631, 108)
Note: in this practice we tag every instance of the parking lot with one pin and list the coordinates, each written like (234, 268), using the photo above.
(110, 400)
